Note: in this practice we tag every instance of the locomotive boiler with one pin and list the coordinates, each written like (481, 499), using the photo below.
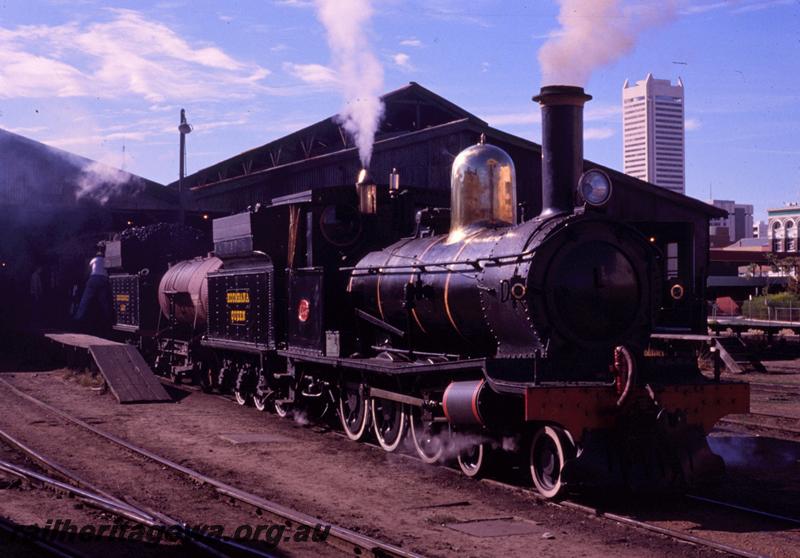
(568, 283)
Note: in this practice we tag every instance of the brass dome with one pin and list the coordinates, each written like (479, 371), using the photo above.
(483, 189)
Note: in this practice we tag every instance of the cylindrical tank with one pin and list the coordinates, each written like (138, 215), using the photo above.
(183, 291)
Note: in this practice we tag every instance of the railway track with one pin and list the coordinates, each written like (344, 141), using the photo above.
(766, 422)
(44, 548)
(617, 517)
(343, 539)
(153, 520)
(355, 542)
(789, 389)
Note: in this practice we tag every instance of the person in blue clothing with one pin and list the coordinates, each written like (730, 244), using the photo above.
(95, 312)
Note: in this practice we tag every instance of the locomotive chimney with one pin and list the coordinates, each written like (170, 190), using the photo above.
(562, 145)
(367, 192)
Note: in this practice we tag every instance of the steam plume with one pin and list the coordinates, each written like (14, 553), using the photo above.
(594, 33)
(360, 75)
(101, 182)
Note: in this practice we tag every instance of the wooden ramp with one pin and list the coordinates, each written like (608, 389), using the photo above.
(127, 374)
(737, 357)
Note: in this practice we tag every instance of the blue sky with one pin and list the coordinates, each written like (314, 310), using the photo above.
(90, 77)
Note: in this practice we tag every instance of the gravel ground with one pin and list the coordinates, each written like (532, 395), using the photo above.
(313, 469)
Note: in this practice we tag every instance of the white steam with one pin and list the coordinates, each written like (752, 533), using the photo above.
(360, 75)
(594, 33)
(300, 417)
(100, 182)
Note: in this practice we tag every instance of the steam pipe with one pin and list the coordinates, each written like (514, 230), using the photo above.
(562, 145)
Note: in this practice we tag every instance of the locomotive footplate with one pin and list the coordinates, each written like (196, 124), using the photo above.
(654, 440)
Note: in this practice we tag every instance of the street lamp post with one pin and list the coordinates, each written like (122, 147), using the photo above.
(184, 128)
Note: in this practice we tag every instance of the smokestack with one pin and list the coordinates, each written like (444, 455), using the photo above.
(562, 145)
(367, 192)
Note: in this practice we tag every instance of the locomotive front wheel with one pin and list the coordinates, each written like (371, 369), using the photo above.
(389, 422)
(353, 410)
(281, 409)
(550, 448)
(240, 396)
(260, 402)
(428, 437)
(473, 460)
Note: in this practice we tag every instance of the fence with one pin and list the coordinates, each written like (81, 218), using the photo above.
(757, 310)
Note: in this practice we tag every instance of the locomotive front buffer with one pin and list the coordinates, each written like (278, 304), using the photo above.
(648, 438)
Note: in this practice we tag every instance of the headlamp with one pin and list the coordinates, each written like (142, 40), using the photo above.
(594, 187)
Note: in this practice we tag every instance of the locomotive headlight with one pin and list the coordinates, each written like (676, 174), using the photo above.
(594, 187)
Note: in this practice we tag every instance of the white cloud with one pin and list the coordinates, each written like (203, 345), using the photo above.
(553, 33)
(295, 3)
(597, 133)
(411, 42)
(403, 61)
(24, 130)
(314, 74)
(204, 127)
(532, 116)
(703, 7)
(125, 55)
(594, 113)
(763, 5)
(691, 124)
(734, 6)
(455, 12)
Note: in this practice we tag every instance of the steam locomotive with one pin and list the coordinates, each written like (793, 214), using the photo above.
(474, 332)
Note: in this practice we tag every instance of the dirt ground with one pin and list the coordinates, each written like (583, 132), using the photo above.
(315, 470)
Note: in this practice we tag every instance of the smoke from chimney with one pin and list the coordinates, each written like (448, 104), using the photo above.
(101, 182)
(360, 75)
(595, 33)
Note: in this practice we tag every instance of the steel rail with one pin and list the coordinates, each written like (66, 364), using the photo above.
(672, 533)
(53, 467)
(745, 509)
(51, 548)
(95, 500)
(112, 504)
(774, 387)
(148, 518)
(629, 521)
(276, 509)
(756, 424)
(350, 541)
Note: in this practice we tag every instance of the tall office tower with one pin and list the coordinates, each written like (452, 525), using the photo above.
(653, 136)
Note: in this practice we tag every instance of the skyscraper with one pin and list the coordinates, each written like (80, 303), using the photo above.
(653, 136)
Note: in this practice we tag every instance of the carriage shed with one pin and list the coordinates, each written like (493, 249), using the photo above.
(55, 206)
(420, 135)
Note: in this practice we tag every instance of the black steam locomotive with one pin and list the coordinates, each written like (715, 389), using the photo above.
(478, 333)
